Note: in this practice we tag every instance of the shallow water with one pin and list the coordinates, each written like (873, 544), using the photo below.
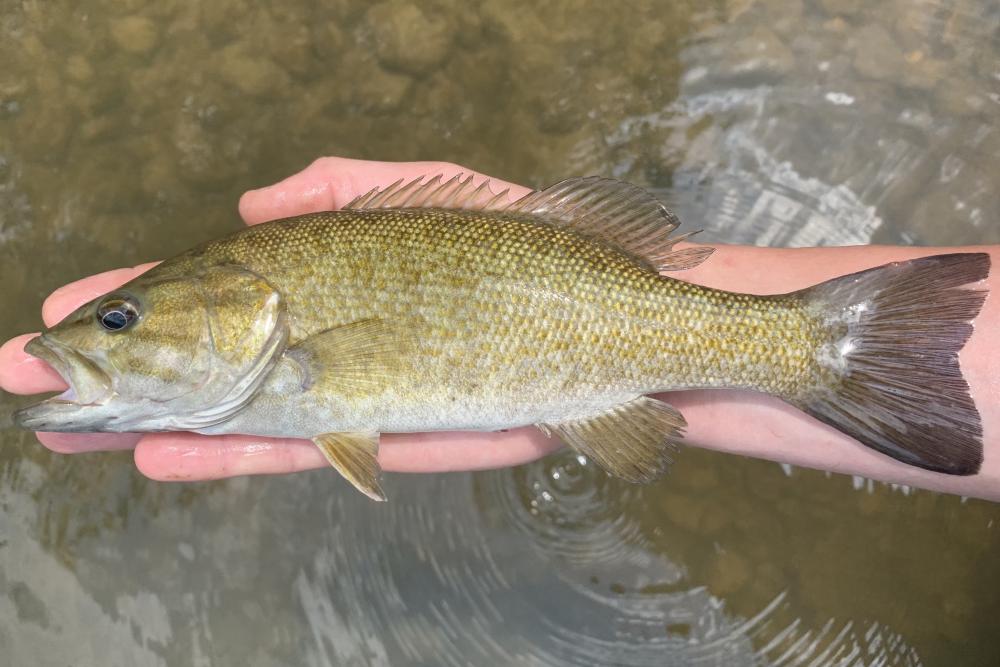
(127, 132)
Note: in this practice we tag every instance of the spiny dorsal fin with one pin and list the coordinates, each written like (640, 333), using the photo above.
(355, 456)
(618, 213)
(457, 193)
(632, 441)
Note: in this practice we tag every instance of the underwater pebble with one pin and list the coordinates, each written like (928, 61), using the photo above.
(842, 7)
(728, 573)
(877, 55)
(761, 52)
(252, 75)
(407, 39)
(79, 69)
(939, 204)
(158, 175)
(101, 127)
(327, 40)
(292, 49)
(784, 16)
(700, 478)
(200, 158)
(714, 519)
(12, 84)
(557, 108)
(922, 71)
(959, 96)
(836, 25)
(47, 130)
(735, 8)
(682, 510)
(375, 89)
(134, 34)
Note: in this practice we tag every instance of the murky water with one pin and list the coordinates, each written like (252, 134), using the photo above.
(127, 132)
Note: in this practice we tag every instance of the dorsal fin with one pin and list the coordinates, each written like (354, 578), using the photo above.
(457, 192)
(618, 213)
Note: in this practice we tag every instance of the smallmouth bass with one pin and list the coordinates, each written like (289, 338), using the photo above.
(439, 306)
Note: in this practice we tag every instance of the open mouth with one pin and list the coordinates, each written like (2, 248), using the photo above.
(88, 386)
(46, 351)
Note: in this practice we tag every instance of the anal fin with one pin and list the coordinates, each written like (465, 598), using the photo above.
(633, 441)
(355, 456)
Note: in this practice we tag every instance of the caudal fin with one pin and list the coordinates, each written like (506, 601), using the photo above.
(891, 373)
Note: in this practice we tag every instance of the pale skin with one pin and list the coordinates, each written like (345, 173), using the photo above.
(733, 421)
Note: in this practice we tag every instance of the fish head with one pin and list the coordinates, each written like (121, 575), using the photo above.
(162, 353)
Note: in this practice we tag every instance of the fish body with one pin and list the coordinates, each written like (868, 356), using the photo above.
(465, 313)
(494, 321)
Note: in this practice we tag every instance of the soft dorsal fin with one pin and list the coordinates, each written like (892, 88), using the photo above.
(617, 213)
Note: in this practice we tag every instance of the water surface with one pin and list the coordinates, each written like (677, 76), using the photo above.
(128, 131)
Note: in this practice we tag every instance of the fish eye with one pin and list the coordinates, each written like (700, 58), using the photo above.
(117, 312)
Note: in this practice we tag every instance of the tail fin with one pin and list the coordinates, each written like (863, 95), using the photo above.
(893, 380)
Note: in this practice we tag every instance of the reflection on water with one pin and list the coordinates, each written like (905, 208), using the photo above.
(127, 131)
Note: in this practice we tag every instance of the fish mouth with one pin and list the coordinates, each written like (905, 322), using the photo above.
(89, 387)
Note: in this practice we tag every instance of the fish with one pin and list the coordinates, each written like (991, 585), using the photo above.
(436, 304)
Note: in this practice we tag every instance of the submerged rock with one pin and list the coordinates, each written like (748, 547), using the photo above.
(728, 573)
(842, 7)
(878, 56)
(407, 39)
(760, 53)
(79, 69)
(371, 88)
(252, 74)
(134, 34)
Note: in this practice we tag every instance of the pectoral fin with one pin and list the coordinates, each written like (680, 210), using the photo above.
(355, 456)
(632, 441)
(348, 358)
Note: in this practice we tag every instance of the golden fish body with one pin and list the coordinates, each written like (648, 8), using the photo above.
(462, 313)
(496, 320)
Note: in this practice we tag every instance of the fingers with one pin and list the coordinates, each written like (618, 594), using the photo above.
(463, 450)
(331, 182)
(192, 457)
(79, 443)
(21, 373)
